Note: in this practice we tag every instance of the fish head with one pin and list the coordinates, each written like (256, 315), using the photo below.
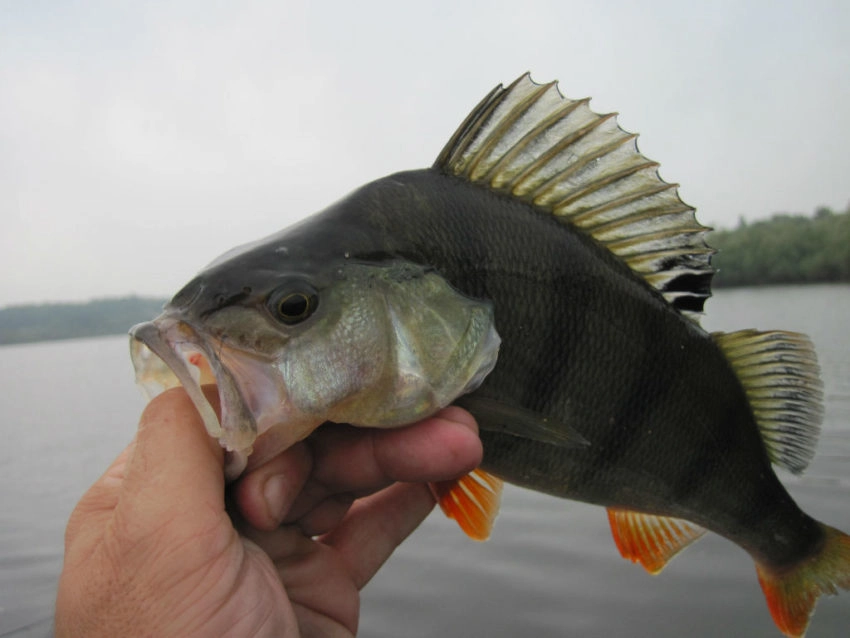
(292, 341)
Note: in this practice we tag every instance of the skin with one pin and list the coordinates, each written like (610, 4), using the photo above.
(159, 546)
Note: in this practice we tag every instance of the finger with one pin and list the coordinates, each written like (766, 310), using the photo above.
(442, 447)
(376, 525)
(175, 469)
(264, 497)
(267, 446)
(353, 462)
(435, 449)
(264, 494)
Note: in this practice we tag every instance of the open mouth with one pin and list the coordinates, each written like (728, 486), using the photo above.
(167, 352)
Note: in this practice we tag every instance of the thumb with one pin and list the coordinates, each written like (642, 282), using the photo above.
(175, 468)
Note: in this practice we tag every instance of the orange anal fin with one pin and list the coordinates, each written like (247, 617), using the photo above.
(472, 500)
(650, 540)
(792, 594)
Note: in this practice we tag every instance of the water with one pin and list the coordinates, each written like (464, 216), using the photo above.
(68, 408)
(551, 568)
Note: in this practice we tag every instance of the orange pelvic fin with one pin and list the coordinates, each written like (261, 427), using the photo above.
(792, 593)
(473, 501)
(650, 540)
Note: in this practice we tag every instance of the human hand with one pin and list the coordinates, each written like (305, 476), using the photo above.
(152, 549)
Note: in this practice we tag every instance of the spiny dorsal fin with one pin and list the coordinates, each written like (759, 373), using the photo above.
(651, 540)
(530, 142)
(780, 374)
(472, 500)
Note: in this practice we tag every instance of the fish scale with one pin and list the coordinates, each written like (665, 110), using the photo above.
(584, 338)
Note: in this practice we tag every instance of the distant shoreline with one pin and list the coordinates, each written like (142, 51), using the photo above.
(785, 249)
(33, 323)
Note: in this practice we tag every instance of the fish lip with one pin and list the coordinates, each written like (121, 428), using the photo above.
(172, 340)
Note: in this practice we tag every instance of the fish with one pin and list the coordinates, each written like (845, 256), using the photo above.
(543, 276)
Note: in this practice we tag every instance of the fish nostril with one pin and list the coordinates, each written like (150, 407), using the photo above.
(188, 294)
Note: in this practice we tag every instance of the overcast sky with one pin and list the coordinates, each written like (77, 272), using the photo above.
(139, 140)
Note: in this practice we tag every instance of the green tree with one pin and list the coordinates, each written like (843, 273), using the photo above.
(784, 249)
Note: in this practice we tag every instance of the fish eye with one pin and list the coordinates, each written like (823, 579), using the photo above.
(294, 305)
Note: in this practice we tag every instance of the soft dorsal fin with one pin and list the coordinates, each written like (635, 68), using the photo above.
(781, 377)
(651, 540)
(530, 142)
(472, 500)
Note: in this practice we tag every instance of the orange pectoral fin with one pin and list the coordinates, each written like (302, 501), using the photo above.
(650, 540)
(473, 501)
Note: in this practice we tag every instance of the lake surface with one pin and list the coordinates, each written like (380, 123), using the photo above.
(550, 569)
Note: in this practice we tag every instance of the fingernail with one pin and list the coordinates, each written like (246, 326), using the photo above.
(274, 494)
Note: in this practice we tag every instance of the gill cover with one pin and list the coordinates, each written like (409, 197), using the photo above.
(391, 344)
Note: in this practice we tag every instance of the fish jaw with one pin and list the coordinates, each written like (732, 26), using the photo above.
(165, 353)
(161, 351)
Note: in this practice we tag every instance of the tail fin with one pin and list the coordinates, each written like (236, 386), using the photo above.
(792, 593)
